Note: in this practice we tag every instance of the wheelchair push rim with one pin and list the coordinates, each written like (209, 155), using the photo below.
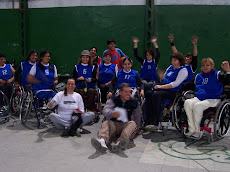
(222, 119)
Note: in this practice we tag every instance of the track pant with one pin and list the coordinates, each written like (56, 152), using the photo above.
(111, 128)
(61, 123)
(194, 109)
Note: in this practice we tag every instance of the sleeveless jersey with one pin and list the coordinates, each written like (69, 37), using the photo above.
(171, 75)
(25, 66)
(5, 72)
(126, 77)
(190, 73)
(45, 77)
(106, 73)
(86, 71)
(149, 71)
(208, 86)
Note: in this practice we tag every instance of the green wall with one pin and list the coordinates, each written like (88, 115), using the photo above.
(210, 23)
(10, 34)
(67, 31)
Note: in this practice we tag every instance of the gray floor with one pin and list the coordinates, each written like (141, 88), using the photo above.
(26, 148)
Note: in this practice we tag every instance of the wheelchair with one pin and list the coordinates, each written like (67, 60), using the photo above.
(21, 103)
(4, 108)
(215, 121)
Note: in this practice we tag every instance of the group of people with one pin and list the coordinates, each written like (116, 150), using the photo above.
(119, 85)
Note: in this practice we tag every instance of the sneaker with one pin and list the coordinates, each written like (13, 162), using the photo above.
(196, 135)
(120, 145)
(99, 144)
(188, 134)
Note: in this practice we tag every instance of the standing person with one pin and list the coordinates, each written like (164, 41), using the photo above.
(6, 76)
(116, 108)
(126, 75)
(175, 76)
(105, 73)
(115, 52)
(209, 87)
(71, 114)
(148, 72)
(85, 75)
(190, 58)
(95, 59)
(43, 77)
(24, 68)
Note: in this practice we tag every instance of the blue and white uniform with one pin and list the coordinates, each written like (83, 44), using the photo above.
(87, 72)
(190, 73)
(106, 72)
(25, 67)
(149, 71)
(129, 77)
(6, 72)
(44, 89)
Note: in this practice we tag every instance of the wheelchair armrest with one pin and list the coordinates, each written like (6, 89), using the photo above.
(222, 97)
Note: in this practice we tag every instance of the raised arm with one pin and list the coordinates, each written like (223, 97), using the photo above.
(157, 57)
(195, 53)
(171, 40)
(135, 42)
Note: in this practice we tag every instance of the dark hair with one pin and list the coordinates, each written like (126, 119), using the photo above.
(92, 48)
(30, 52)
(2, 55)
(150, 52)
(65, 90)
(110, 41)
(127, 58)
(189, 54)
(123, 85)
(178, 56)
(106, 54)
(43, 53)
(80, 61)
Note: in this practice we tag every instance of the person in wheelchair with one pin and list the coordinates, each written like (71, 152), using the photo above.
(24, 68)
(105, 73)
(70, 109)
(123, 116)
(148, 72)
(85, 75)
(43, 77)
(174, 77)
(126, 75)
(209, 87)
(6, 77)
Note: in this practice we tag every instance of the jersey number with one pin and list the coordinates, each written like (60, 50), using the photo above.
(4, 72)
(205, 81)
(149, 67)
(127, 76)
(84, 71)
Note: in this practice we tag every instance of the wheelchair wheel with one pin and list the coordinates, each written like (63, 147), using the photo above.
(222, 119)
(4, 107)
(16, 101)
(178, 112)
(26, 106)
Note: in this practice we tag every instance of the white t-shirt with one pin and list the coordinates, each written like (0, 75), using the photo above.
(33, 70)
(67, 104)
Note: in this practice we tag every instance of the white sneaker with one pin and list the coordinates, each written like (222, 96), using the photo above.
(188, 134)
(196, 135)
(99, 144)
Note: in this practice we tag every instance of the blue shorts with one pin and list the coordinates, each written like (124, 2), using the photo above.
(41, 95)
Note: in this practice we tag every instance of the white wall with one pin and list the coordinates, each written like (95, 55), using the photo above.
(7, 4)
(192, 2)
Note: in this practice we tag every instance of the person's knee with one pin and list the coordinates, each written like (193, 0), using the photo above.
(198, 108)
(132, 124)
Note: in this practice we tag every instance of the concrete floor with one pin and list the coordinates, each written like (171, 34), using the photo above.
(28, 149)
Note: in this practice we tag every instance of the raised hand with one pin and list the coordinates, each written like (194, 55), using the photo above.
(154, 39)
(171, 38)
(135, 39)
(225, 66)
(194, 40)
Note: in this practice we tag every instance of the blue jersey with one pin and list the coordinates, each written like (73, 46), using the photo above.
(86, 71)
(25, 66)
(171, 75)
(45, 77)
(208, 85)
(149, 71)
(126, 77)
(106, 73)
(5, 72)
(190, 73)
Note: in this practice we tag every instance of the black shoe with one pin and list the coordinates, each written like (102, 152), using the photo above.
(65, 133)
(74, 133)
(84, 131)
